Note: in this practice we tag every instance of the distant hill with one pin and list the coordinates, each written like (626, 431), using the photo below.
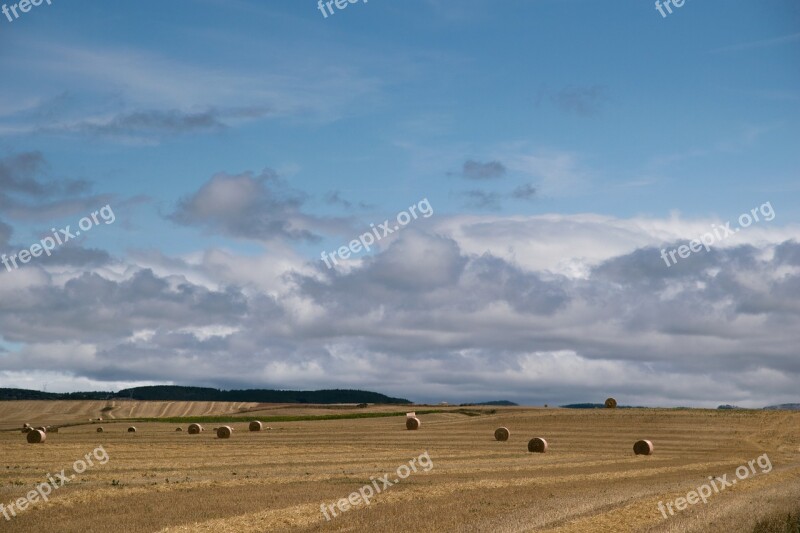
(202, 394)
(585, 406)
(784, 406)
(25, 394)
(501, 403)
(598, 406)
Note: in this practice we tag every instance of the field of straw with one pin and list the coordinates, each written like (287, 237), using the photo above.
(158, 479)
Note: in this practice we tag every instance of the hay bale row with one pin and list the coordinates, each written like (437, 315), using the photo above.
(539, 445)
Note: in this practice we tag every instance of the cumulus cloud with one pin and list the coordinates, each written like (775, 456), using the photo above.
(91, 307)
(19, 175)
(475, 170)
(248, 206)
(493, 200)
(25, 195)
(154, 123)
(548, 309)
(524, 192)
(335, 198)
(132, 96)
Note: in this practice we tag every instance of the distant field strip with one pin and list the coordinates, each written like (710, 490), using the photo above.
(287, 418)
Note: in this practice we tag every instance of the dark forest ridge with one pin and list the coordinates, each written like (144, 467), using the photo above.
(204, 394)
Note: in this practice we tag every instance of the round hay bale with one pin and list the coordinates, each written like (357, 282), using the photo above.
(502, 434)
(255, 425)
(643, 447)
(42, 429)
(537, 445)
(100, 430)
(195, 429)
(131, 429)
(178, 429)
(224, 432)
(36, 436)
(611, 403)
(26, 425)
(413, 423)
(26, 430)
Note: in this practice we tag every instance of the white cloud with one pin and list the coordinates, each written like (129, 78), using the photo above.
(545, 309)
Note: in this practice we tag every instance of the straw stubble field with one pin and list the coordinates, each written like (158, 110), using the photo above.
(275, 480)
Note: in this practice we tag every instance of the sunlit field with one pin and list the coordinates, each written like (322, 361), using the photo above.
(278, 479)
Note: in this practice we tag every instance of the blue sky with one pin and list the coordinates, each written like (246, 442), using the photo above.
(556, 140)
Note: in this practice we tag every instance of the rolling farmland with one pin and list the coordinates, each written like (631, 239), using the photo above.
(158, 479)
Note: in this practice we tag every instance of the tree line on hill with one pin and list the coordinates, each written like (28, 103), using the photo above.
(176, 393)
(784, 406)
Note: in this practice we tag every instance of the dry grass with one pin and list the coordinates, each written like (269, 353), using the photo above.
(779, 523)
(72, 411)
(589, 479)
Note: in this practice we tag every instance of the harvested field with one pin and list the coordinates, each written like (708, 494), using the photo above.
(589, 479)
(73, 411)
